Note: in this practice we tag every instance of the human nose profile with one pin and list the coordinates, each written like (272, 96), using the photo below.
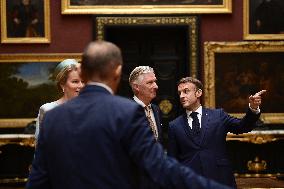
(81, 85)
(181, 95)
(155, 85)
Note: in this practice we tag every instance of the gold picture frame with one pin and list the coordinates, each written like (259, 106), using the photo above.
(29, 76)
(235, 70)
(144, 7)
(189, 21)
(21, 26)
(255, 25)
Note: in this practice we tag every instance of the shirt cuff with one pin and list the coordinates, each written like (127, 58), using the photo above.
(256, 111)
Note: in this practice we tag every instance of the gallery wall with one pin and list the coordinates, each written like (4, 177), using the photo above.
(71, 33)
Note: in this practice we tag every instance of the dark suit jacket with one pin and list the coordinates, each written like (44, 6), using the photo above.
(157, 115)
(98, 140)
(145, 181)
(206, 154)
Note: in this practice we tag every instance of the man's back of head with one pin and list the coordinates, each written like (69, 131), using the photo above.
(101, 62)
(98, 58)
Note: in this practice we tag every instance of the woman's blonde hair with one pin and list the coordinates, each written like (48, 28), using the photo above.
(63, 69)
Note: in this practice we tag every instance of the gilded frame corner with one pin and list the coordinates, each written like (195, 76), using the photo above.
(190, 21)
(67, 8)
(210, 51)
(246, 27)
(46, 38)
(30, 58)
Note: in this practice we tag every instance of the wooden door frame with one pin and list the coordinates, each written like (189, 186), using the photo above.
(191, 22)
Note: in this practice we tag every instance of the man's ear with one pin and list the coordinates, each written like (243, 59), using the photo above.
(198, 93)
(115, 78)
(117, 72)
(135, 86)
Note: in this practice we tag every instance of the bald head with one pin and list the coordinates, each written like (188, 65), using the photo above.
(99, 60)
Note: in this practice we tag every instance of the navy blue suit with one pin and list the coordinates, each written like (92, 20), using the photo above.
(206, 153)
(145, 181)
(98, 140)
(157, 115)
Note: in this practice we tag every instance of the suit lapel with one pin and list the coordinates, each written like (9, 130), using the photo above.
(157, 119)
(204, 124)
(186, 126)
(188, 132)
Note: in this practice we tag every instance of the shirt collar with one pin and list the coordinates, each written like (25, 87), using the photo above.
(136, 99)
(101, 85)
(199, 111)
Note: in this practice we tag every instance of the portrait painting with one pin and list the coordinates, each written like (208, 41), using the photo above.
(26, 82)
(234, 71)
(263, 19)
(25, 21)
(145, 6)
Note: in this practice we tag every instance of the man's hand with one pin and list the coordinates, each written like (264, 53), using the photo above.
(255, 100)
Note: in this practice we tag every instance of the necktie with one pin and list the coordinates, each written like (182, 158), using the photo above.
(195, 123)
(151, 123)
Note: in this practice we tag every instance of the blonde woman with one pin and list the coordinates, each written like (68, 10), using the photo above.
(68, 80)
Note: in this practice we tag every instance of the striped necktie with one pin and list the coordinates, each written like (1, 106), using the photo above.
(151, 123)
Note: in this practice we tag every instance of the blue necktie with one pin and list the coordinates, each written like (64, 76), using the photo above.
(195, 123)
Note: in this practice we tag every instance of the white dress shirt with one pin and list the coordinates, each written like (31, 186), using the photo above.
(189, 118)
(151, 110)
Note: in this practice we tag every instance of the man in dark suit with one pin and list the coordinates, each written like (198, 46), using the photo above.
(142, 80)
(98, 140)
(198, 137)
(143, 83)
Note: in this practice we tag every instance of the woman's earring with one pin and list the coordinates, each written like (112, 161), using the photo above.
(63, 90)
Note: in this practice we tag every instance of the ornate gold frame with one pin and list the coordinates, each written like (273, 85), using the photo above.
(211, 48)
(26, 140)
(20, 58)
(247, 35)
(67, 8)
(190, 21)
(19, 139)
(6, 39)
(257, 137)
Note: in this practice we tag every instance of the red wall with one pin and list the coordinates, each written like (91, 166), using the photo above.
(71, 33)
(223, 27)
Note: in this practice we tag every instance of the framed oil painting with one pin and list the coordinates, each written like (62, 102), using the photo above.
(263, 19)
(145, 6)
(235, 70)
(25, 21)
(26, 84)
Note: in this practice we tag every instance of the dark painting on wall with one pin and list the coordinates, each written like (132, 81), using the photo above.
(239, 75)
(263, 19)
(25, 18)
(235, 70)
(25, 21)
(266, 16)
